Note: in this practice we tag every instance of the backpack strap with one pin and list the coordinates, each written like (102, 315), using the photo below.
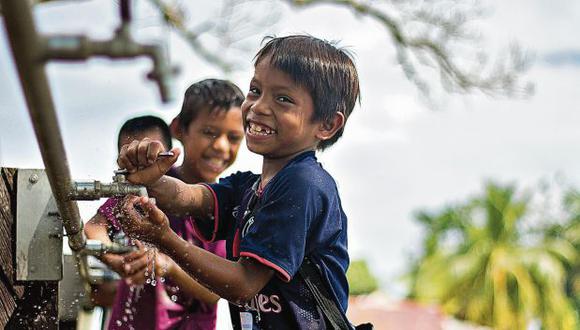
(311, 275)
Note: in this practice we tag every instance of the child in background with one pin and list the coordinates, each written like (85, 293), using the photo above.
(98, 227)
(210, 128)
(300, 97)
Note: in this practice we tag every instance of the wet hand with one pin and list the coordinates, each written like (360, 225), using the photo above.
(135, 263)
(118, 262)
(114, 261)
(142, 220)
(141, 159)
(140, 268)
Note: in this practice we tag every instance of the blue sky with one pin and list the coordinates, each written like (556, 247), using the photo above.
(564, 57)
(396, 156)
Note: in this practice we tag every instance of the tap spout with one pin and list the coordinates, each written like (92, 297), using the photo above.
(122, 45)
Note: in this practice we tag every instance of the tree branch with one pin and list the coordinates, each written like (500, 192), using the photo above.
(502, 79)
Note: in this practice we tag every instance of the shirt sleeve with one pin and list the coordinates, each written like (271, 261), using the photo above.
(227, 194)
(277, 234)
(108, 210)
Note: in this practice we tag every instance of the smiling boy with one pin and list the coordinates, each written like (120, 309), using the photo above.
(300, 97)
(209, 126)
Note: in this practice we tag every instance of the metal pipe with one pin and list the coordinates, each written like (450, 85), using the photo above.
(95, 190)
(27, 53)
(125, 8)
(79, 48)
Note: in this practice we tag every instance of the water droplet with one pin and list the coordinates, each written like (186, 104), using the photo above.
(162, 279)
(119, 323)
(174, 298)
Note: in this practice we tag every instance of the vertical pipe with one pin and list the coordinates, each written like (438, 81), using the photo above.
(125, 7)
(28, 56)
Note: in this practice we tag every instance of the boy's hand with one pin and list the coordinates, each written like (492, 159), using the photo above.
(134, 264)
(147, 224)
(118, 263)
(141, 269)
(115, 262)
(141, 160)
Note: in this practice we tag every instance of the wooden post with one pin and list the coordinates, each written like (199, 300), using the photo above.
(26, 305)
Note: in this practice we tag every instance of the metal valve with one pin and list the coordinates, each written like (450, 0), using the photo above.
(94, 190)
(97, 248)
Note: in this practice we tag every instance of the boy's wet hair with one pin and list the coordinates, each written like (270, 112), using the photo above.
(143, 124)
(326, 71)
(209, 95)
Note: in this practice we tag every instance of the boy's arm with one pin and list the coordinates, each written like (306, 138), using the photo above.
(186, 283)
(235, 281)
(166, 267)
(103, 294)
(141, 159)
(97, 227)
(181, 199)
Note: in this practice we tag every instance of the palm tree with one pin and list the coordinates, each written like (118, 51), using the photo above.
(360, 279)
(569, 230)
(479, 265)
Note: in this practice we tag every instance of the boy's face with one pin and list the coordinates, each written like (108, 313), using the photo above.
(153, 134)
(211, 143)
(277, 114)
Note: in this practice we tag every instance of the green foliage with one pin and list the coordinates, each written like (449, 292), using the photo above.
(360, 279)
(569, 231)
(480, 265)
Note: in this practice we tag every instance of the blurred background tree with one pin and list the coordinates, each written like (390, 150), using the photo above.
(481, 262)
(360, 279)
(569, 231)
(434, 40)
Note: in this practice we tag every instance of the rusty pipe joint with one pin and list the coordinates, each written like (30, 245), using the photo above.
(122, 45)
(97, 248)
(95, 190)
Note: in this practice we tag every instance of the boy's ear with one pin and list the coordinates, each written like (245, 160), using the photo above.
(327, 129)
(175, 128)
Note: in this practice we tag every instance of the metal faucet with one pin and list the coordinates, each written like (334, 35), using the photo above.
(122, 45)
(95, 190)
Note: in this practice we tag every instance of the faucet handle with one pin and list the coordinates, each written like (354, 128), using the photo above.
(121, 171)
(120, 174)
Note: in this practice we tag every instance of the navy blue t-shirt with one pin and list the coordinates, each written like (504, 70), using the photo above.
(298, 214)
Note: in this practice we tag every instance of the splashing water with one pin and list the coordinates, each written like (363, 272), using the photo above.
(134, 295)
(151, 256)
(129, 311)
(135, 290)
(162, 277)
